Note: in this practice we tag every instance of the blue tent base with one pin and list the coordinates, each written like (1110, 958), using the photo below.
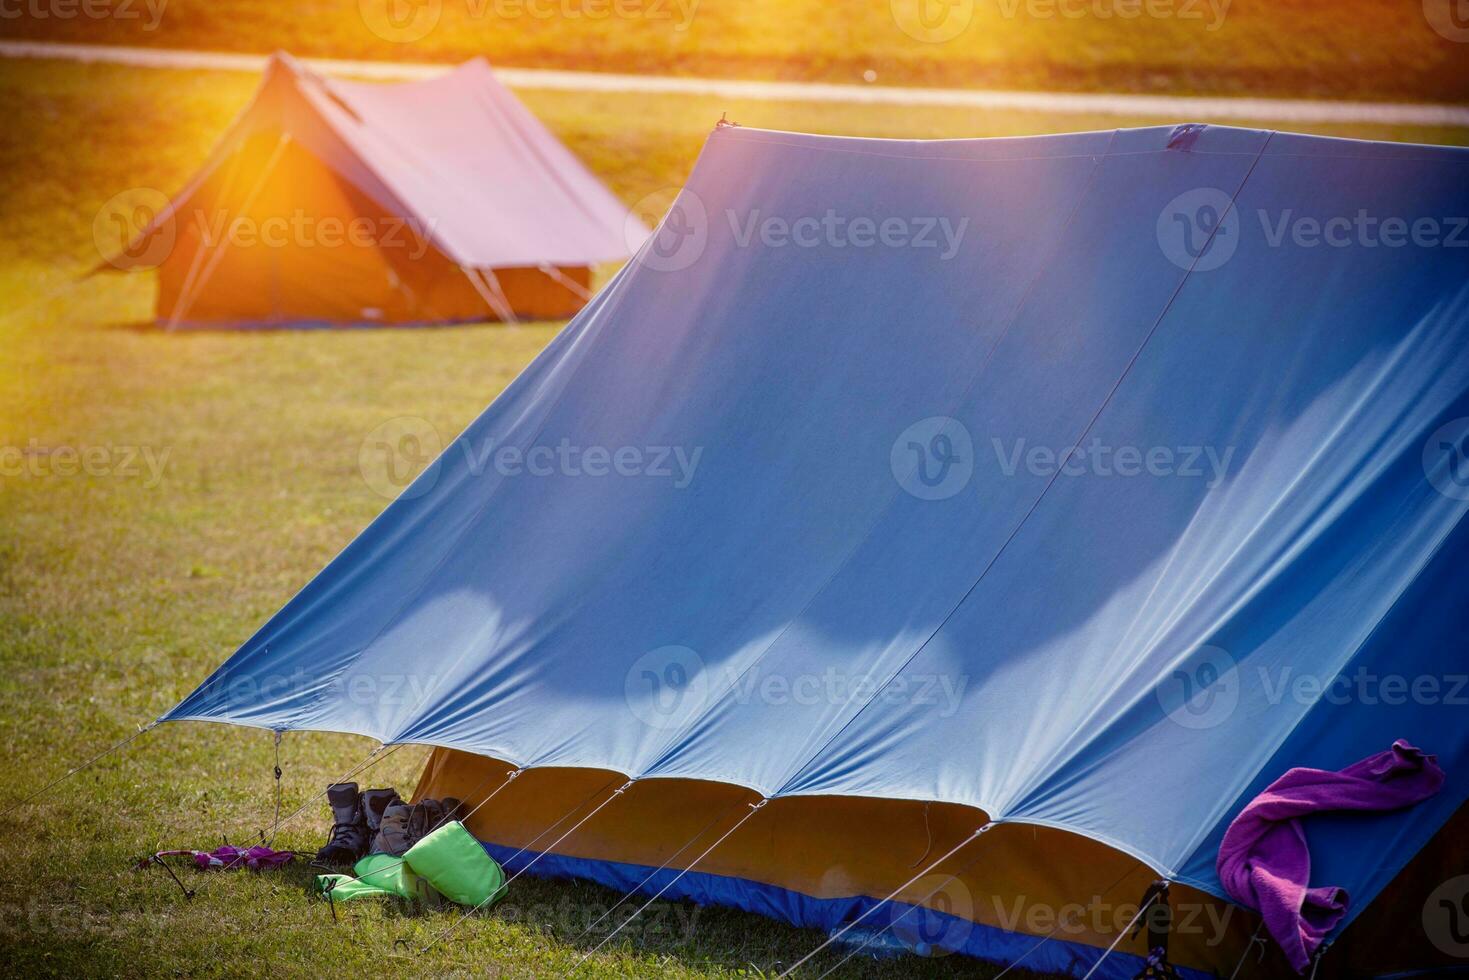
(990, 943)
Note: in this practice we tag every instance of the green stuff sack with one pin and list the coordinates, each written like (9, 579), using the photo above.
(456, 865)
(376, 876)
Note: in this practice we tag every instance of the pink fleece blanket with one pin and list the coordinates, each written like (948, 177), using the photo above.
(1264, 862)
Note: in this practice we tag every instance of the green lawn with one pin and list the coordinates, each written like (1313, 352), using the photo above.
(120, 590)
(1347, 48)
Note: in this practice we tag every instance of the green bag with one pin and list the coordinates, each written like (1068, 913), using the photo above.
(448, 862)
(456, 865)
(376, 876)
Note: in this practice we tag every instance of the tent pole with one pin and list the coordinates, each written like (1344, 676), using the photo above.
(576, 288)
(494, 298)
(979, 832)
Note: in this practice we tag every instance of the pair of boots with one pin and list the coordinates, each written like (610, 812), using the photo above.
(378, 821)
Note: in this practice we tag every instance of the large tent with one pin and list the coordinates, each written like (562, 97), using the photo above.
(1069, 486)
(338, 202)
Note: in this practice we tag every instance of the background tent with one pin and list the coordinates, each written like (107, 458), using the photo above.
(347, 202)
(887, 595)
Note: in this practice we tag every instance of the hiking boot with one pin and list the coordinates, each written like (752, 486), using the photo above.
(348, 840)
(374, 802)
(425, 819)
(392, 831)
(454, 809)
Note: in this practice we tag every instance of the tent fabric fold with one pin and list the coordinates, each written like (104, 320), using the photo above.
(1065, 477)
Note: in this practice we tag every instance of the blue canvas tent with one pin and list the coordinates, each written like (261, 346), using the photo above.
(1082, 482)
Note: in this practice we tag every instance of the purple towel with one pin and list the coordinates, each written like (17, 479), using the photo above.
(1264, 862)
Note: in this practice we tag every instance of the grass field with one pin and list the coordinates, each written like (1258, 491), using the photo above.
(230, 476)
(1348, 48)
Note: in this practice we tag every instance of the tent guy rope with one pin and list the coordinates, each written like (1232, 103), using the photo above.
(979, 832)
